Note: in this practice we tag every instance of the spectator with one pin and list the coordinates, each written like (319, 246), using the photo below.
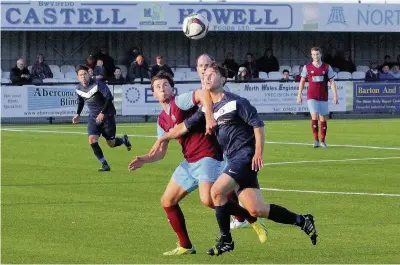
(298, 75)
(347, 64)
(40, 70)
(131, 56)
(108, 62)
(386, 61)
(285, 75)
(268, 62)
(395, 71)
(385, 75)
(230, 65)
(139, 69)
(99, 71)
(372, 74)
(91, 72)
(20, 74)
(243, 74)
(90, 62)
(334, 60)
(160, 66)
(251, 65)
(118, 78)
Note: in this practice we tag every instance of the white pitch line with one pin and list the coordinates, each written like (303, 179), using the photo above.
(149, 136)
(340, 145)
(331, 160)
(333, 192)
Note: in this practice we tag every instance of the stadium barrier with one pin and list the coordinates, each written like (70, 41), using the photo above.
(47, 103)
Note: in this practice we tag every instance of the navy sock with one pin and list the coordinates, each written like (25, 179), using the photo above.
(282, 215)
(223, 218)
(98, 152)
(119, 141)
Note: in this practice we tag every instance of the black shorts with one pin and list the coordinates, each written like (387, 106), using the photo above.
(107, 128)
(240, 170)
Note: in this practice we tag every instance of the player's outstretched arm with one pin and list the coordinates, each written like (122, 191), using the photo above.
(176, 132)
(159, 154)
(258, 161)
(203, 96)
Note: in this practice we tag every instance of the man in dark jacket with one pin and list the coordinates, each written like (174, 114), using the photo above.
(268, 63)
(108, 62)
(160, 66)
(230, 65)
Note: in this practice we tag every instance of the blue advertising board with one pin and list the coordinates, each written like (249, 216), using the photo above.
(376, 97)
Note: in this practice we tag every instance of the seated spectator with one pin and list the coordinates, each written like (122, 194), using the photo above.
(139, 69)
(20, 74)
(90, 62)
(347, 64)
(372, 74)
(108, 62)
(333, 59)
(298, 75)
(395, 71)
(386, 61)
(230, 65)
(99, 70)
(91, 72)
(243, 74)
(251, 65)
(131, 56)
(160, 66)
(118, 78)
(285, 75)
(40, 70)
(268, 62)
(385, 75)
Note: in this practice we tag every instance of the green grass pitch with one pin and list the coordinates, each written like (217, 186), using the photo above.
(56, 207)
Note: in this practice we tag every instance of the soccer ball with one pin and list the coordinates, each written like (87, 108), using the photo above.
(195, 26)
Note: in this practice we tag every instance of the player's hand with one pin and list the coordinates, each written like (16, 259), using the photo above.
(100, 118)
(75, 119)
(210, 126)
(257, 162)
(136, 163)
(300, 99)
(335, 100)
(155, 148)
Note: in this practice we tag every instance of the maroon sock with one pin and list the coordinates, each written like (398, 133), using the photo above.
(324, 128)
(177, 221)
(233, 197)
(314, 125)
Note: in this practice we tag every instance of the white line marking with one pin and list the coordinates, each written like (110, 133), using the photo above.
(331, 160)
(340, 145)
(79, 126)
(149, 136)
(334, 192)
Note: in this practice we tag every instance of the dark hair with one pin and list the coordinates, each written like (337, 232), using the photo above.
(81, 67)
(385, 64)
(162, 75)
(249, 53)
(317, 49)
(387, 57)
(285, 71)
(117, 67)
(219, 69)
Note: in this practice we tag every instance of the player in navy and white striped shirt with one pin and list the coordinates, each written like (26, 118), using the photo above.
(240, 132)
(99, 100)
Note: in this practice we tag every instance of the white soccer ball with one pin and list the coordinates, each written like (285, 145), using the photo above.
(195, 26)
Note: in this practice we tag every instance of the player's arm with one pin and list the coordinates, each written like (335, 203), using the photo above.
(159, 153)
(81, 104)
(331, 76)
(203, 96)
(179, 130)
(249, 114)
(106, 92)
(302, 84)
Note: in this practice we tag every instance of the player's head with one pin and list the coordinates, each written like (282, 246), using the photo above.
(316, 54)
(203, 61)
(162, 86)
(215, 77)
(83, 75)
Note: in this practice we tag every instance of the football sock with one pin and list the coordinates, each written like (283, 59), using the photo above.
(233, 197)
(223, 218)
(177, 221)
(118, 141)
(314, 125)
(324, 128)
(237, 210)
(282, 215)
(98, 152)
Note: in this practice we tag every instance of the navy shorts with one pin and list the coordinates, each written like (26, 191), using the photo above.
(240, 170)
(107, 129)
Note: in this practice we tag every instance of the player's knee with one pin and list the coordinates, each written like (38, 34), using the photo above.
(207, 201)
(216, 194)
(93, 139)
(168, 201)
(256, 212)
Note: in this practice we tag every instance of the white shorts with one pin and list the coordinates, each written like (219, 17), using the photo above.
(320, 107)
